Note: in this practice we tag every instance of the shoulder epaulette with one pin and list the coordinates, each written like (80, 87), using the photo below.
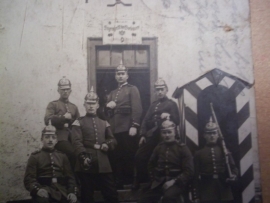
(76, 122)
(55, 101)
(72, 104)
(161, 143)
(36, 152)
(130, 85)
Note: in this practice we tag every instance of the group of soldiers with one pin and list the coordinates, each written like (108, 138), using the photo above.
(88, 153)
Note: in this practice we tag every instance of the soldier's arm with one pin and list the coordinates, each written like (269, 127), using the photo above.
(152, 163)
(51, 115)
(136, 106)
(109, 138)
(195, 183)
(187, 167)
(232, 165)
(76, 138)
(68, 173)
(30, 176)
(143, 129)
(174, 113)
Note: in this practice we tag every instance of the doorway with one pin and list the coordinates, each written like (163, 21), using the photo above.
(140, 60)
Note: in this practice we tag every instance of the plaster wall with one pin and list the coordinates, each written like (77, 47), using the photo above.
(43, 40)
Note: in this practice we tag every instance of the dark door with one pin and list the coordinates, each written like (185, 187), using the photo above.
(139, 59)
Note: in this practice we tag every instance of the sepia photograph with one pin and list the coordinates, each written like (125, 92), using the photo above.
(139, 101)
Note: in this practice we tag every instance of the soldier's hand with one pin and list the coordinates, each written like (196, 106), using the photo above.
(231, 179)
(132, 131)
(104, 147)
(43, 193)
(168, 184)
(142, 141)
(165, 116)
(72, 198)
(87, 162)
(111, 105)
(68, 116)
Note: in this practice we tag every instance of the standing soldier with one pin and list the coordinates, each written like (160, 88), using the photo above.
(170, 168)
(212, 182)
(125, 103)
(160, 109)
(48, 176)
(92, 139)
(62, 114)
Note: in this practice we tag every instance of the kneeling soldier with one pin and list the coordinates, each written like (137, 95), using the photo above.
(212, 183)
(48, 176)
(92, 139)
(170, 168)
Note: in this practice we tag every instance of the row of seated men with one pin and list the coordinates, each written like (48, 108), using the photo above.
(104, 153)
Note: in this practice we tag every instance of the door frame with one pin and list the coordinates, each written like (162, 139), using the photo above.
(92, 42)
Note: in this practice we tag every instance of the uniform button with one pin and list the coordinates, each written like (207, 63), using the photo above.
(52, 162)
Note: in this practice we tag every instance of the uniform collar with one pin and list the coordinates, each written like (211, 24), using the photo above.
(63, 100)
(123, 84)
(163, 99)
(47, 150)
(91, 115)
(211, 145)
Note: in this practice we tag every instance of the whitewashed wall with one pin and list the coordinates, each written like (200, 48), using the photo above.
(42, 40)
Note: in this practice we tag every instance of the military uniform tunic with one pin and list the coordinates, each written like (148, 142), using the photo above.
(49, 170)
(128, 110)
(86, 132)
(55, 112)
(151, 123)
(211, 174)
(169, 161)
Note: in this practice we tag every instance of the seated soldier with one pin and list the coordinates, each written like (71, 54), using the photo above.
(92, 138)
(170, 168)
(212, 183)
(48, 176)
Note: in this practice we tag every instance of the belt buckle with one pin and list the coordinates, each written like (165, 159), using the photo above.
(54, 180)
(215, 176)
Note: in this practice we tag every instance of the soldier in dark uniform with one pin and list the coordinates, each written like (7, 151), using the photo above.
(62, 114)
(125, 102)
(212, 182)
(170, 168)
(92, 139)
(48, 176)
(160, 109)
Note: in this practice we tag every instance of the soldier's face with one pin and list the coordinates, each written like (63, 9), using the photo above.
(168, 135)
(211, 137)
(91, 108)
(49, 141)
(64, 93)
(161, 92)
(121, 77)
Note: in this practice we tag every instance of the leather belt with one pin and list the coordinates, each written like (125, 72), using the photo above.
(213, 176)
(49, 180)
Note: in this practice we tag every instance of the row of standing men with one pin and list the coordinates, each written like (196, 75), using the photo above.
(96, 148)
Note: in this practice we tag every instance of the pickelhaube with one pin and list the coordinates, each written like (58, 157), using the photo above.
(210, 126)
(91, 97)
(121, 67)
(64, 83)
(49, 129)
(160, 83)
(167, 124)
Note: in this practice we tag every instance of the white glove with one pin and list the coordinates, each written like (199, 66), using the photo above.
(132, 131)
(67, 116)
(104, 147)
(142, 141)
(165, 116)
(43, 193)
(72, 198)
(111, 105)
